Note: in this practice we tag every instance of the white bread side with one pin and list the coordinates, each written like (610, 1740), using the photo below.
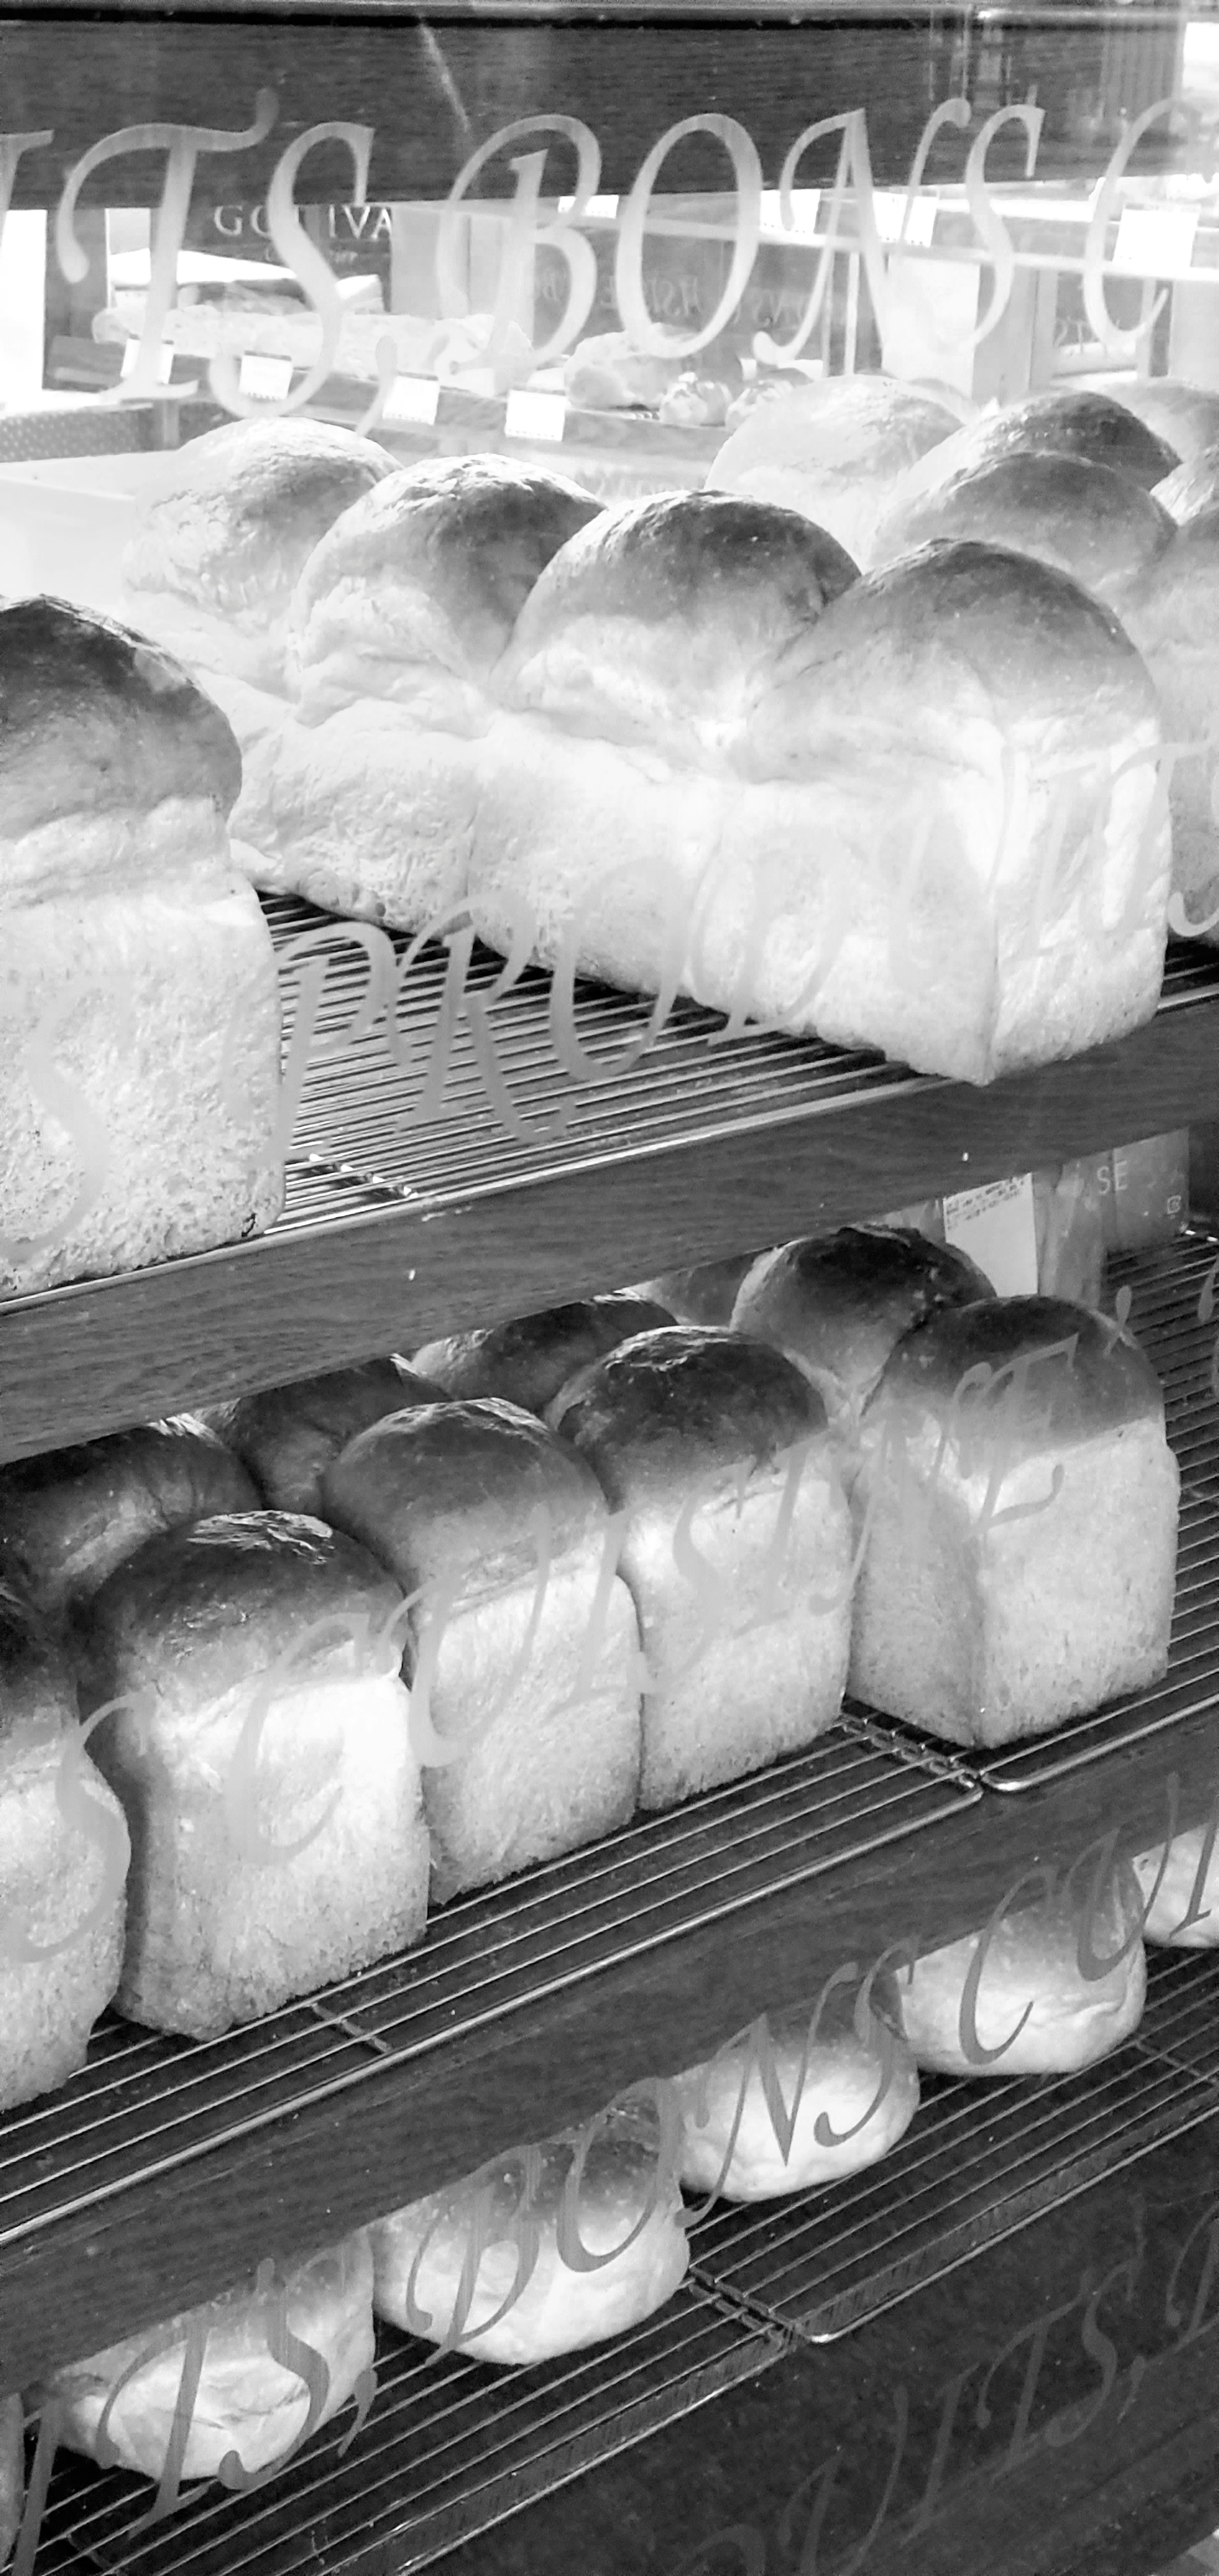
(1013, 1998)
(845, 2087)
(1018, 1500)
(248, 2402)
(736, 1545)
(263, 1757)
(522, 1645)
(64, 1878)
(446, 2265)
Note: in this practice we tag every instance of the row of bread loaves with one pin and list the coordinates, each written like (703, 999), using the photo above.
(683, 746)
(873, 1478)
(1075, 479)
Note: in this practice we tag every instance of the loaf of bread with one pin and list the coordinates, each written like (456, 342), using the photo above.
(1185, 416)
(139, 1090)
(1046, 1989)
(1092, 521)
(69, 1516)
(365, 801)
(920, 813)
(607, 373)
(1071, 422)
(529, 1361)
(262, 1754)
(225, 534)
(736, 1544)
(1180, 1888)
(1173, 616)
(835, 450)
(287, 1436)
(222, 539)
(1019, 1499)
(498, 2267)
(64, 1853)
(523, 1650)
(809, 2097)
(838, 1304)
(273, 2361)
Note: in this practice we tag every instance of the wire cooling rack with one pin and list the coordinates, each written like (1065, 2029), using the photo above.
(144, 2105)
(450, 1091)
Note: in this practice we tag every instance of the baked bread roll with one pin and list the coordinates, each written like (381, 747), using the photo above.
(1073, 422)
(287, 1436)
(1180, 1888)
(12, 2472)
(522, 1646)
(225, 536)
(736, 1544)
(68, 1517)
(140, 1076)
(286, 2357)
(1019, 1500)
(1091, 521)
(923, 818)
(843, 2089)
(1022, 1996)
(262, 1754)
(835, 450)
(838, 1304)
(63, 1867)
(607, 373)
(1173, 617)
(1192, 487)
(618, 2202)
(1185, 416)
(529, 1361)
(365, 801)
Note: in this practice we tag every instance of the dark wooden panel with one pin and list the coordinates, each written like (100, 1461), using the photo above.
(91, 1359)
(1076, 2458)
(167, 2242)
(435, 92)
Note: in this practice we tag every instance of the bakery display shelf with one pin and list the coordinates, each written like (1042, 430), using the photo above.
(147, 2108)
(979, 2161)
(467, 1174)
(450, 2448)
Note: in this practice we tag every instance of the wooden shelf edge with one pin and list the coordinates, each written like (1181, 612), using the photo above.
(95, 1358)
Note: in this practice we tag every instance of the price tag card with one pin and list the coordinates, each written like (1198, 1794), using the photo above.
(267, 379)
(890, 206)
(997, 1227)
(165, 361)
(413, 398)
(534, 415)
(1156, 241)
(805, 207)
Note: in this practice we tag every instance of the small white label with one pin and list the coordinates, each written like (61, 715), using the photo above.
(891, 212)
(1156, 241)
(165, 361)
(413, 398)
(805, 206)
(997, 1227)
(534, 415)
(267, 379)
